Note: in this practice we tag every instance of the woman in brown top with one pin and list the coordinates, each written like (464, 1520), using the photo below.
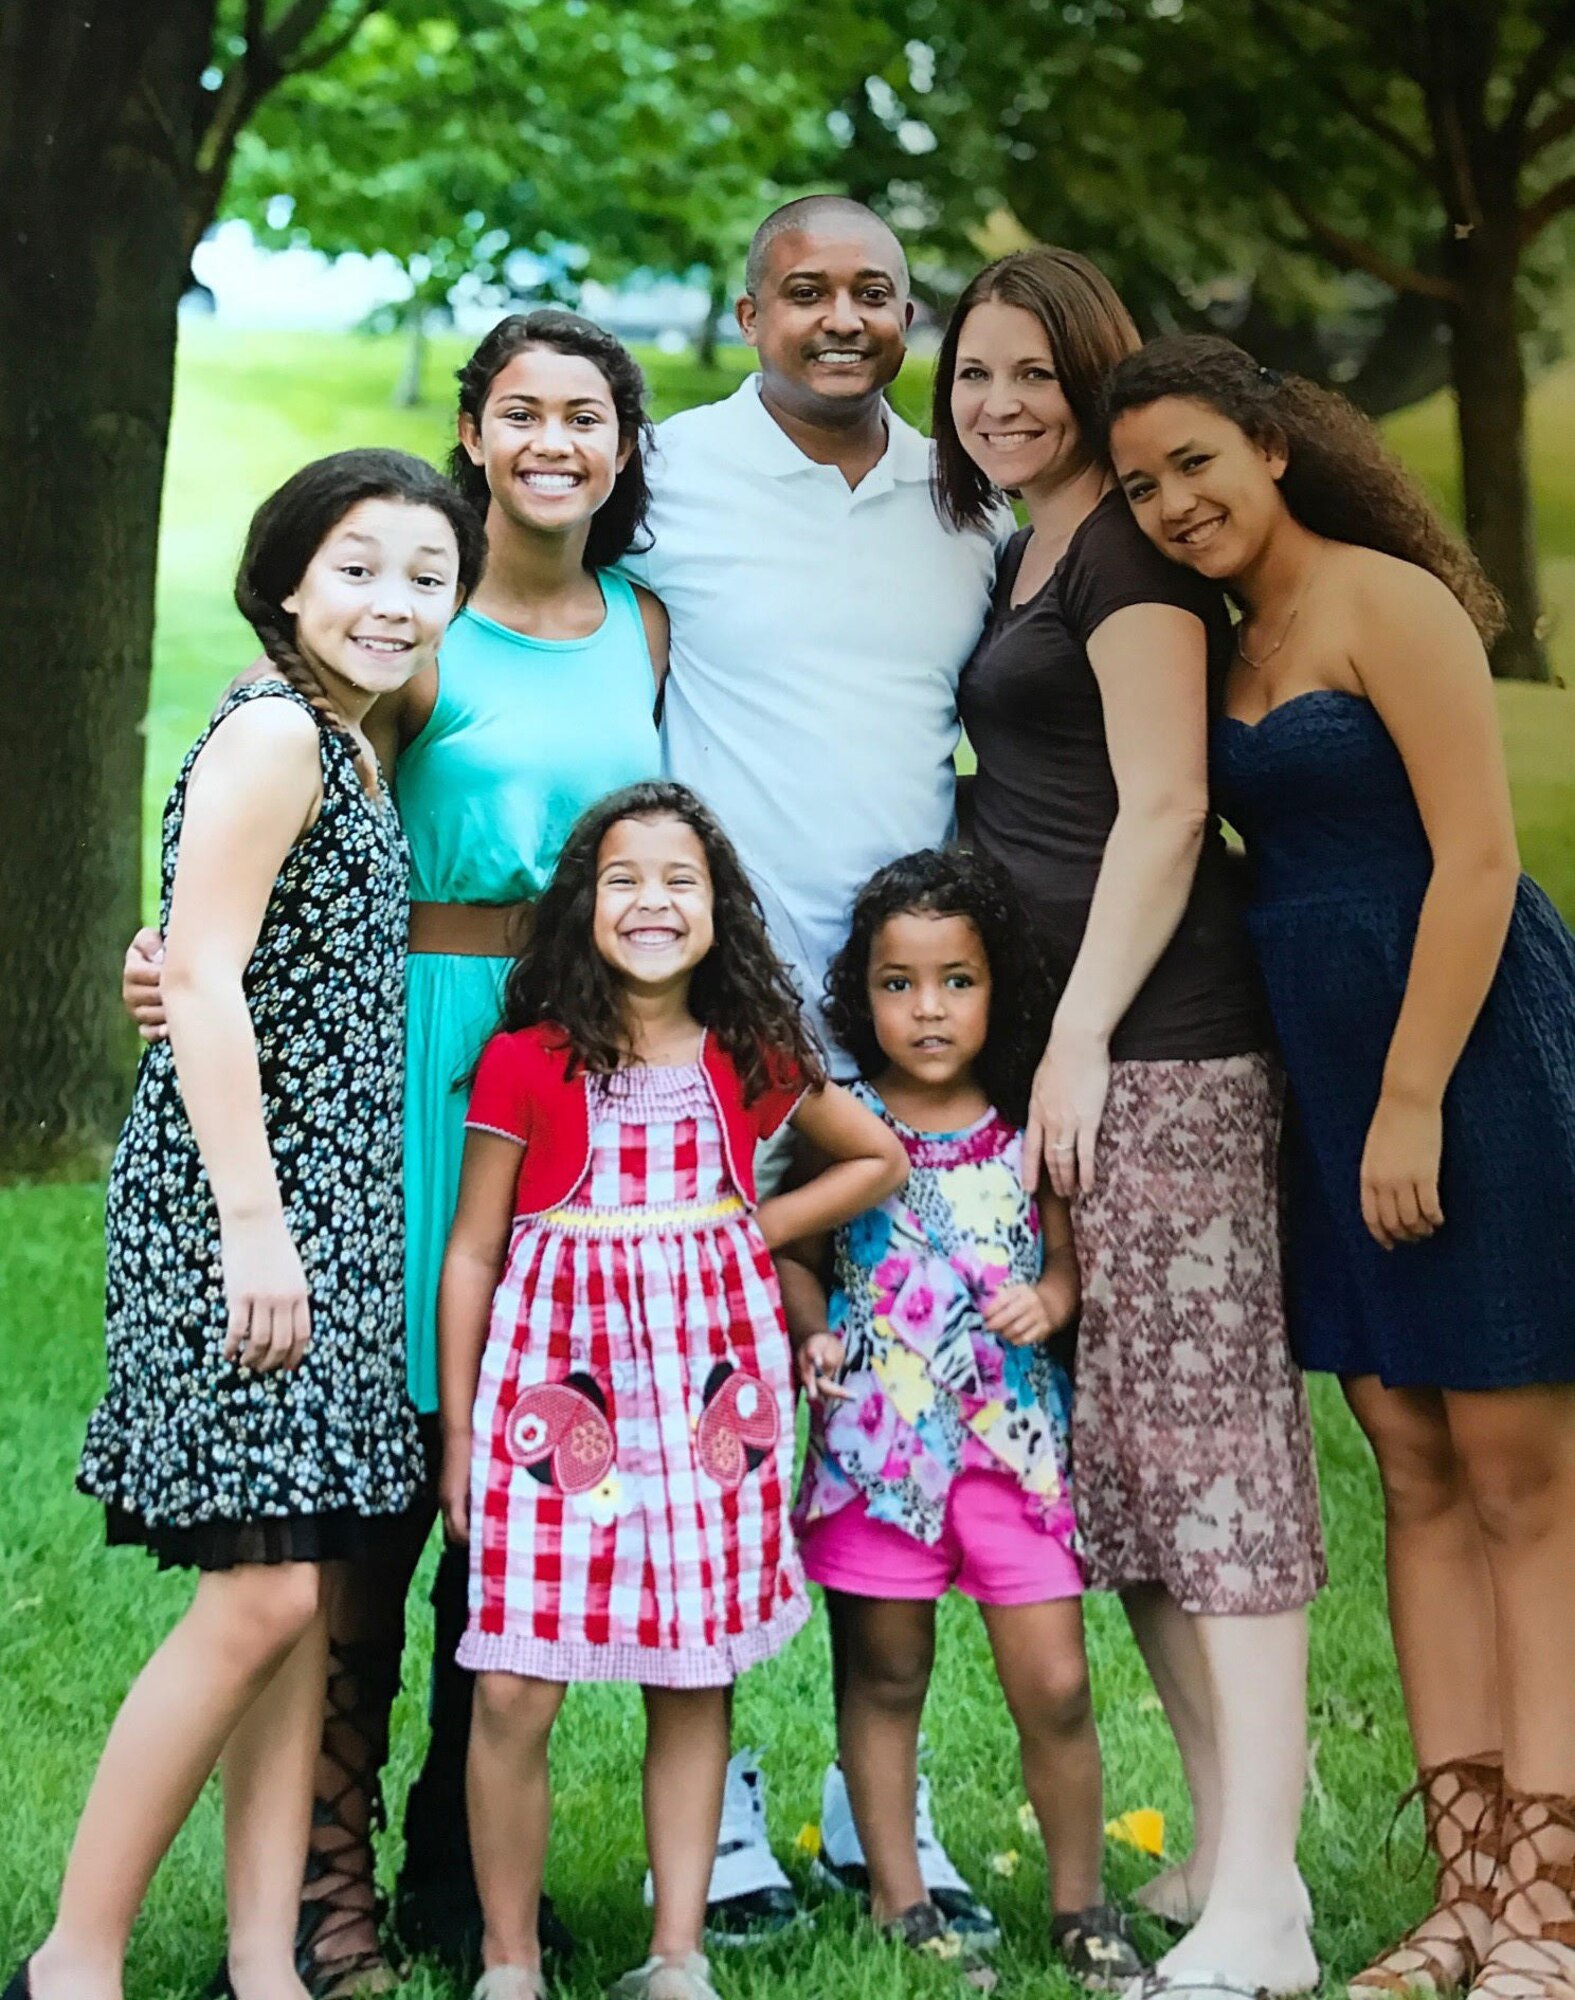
(1157, 1105)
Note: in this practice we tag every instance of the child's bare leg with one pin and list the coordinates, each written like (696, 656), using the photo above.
(180, 1712)
(1043, 1670)
(888, 1650)
(510, 1799)
(1168, 1640)
(686, 1746)
(267, 1767)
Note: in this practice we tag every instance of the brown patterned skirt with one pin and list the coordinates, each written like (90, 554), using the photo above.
(1191, 1444)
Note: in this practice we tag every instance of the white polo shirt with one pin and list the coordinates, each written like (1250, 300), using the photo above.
(818, 632)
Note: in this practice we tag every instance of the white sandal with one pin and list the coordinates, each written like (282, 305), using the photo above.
(510, 1982)
(664, 1979)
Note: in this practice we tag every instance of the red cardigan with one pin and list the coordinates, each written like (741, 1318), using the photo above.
(523, 1091)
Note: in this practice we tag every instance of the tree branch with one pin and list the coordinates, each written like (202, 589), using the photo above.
(1556, 123)
(335, 46)
(1318, 72)
(1538, 70)
(1353, 255)
(287, 40)
(1548, 205)
(269, 57)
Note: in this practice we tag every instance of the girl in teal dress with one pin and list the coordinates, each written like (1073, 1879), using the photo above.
(542, 700)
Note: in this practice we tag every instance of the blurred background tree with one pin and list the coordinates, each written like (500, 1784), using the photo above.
(1375, 192)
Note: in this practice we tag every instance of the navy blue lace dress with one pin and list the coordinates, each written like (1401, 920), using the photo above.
(1339, 862)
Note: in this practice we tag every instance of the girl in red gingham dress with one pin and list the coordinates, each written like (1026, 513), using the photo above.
(616, 1378)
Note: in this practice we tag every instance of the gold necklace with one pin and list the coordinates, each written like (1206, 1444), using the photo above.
(1263, 659)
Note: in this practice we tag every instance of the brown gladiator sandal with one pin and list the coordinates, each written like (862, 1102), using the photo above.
(1532, 1953)
(1441, 1954)
(339, 1895)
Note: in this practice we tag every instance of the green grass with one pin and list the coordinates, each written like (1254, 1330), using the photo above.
(76, 1622)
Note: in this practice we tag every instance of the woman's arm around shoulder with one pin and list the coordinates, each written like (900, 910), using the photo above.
(653, 616)
(865, 1163)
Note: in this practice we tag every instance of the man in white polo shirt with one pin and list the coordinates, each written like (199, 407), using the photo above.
(820, 610)
(821, 614)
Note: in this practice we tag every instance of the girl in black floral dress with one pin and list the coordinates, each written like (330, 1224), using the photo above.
(256, 1423)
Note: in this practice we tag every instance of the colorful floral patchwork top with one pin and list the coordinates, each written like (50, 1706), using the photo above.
(934, 1393)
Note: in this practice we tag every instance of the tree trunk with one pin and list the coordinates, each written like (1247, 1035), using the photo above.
(716, 305)
(99, 105)
(1490, 400)
(408, 391)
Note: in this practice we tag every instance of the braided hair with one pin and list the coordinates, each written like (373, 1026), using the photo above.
(1340, 479)
(292, 524)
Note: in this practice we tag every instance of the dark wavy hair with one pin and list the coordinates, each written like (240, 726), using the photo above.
(1340, 478)
(618, 525)
(741, 992)
(1089, 331)
(951, 882)
(292, 524)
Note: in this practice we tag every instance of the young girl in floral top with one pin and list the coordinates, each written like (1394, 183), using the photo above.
(938, 1455)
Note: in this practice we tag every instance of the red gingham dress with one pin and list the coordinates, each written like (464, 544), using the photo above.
(633, 1422)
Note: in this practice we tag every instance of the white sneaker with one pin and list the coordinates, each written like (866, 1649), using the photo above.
(749, 1896)
(841, 1863)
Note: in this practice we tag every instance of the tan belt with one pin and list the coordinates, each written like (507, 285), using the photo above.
(470, 930)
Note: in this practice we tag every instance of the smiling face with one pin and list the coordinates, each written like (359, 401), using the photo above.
(548, 440)
(1012, 416)
(654, 919)
(829, 317)
(375, 600)
(1203, 491)
(929, 995)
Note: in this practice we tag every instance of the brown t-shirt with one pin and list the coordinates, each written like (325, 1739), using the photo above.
(1045, 797)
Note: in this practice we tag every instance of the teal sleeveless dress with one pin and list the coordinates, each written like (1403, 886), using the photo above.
(526, 733)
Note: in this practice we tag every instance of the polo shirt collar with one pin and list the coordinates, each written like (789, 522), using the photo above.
(905, 461)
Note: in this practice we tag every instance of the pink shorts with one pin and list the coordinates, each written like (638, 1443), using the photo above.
(989, 1549)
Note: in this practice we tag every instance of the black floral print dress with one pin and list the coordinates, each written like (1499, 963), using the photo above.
(193, 1456)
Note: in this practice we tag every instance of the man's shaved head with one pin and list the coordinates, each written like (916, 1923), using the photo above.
(822, 212)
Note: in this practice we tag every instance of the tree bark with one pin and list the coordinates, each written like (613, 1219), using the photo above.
(716, 305)
(408, 390)
(99, 107)
(1490, 401)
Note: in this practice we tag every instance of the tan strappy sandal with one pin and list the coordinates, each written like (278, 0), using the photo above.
(1441, 1954)
(1532, 1952)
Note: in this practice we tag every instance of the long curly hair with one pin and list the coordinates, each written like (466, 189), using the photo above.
(951, 882)
(1340, 479)
(292, 524)
(740, 991)
(1089, 331)
(618, 525)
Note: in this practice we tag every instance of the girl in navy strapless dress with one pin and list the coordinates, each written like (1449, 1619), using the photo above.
(1423, 992)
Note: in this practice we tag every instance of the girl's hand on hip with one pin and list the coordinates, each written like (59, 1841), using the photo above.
(819, 1361)
(1400, 1171)
(1065, 1108)
(454, 1488)
(270, 1316)
(1018, 1315)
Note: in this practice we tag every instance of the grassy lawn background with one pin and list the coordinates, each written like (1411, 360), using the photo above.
(76, 1622)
